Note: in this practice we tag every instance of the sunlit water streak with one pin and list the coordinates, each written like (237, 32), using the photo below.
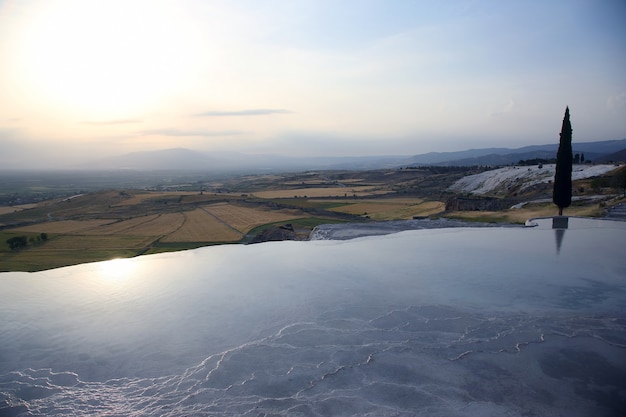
(462, 322)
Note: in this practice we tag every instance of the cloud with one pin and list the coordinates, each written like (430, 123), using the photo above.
(178, 132)
(616, 102)
(248, 112)
(109, 122)
(508, 108)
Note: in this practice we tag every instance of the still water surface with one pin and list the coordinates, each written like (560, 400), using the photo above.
(456, 322)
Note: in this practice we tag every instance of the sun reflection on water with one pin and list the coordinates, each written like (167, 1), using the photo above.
(117, 270)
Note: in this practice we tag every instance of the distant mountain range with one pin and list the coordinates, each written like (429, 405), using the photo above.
(181, 159)
(506, 156)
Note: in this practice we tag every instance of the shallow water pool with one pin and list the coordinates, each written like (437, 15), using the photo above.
(455, 322)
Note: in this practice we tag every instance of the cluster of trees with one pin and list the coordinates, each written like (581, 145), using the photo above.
(445, 169)
(19, 242)
(536, 161)
(579, 158)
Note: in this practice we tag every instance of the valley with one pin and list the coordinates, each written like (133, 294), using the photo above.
(98, 217)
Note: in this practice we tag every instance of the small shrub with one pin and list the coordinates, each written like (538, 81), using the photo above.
(17, 242)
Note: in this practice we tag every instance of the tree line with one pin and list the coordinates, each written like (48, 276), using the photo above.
(19, 242)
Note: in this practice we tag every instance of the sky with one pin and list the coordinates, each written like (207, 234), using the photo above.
(81, 79)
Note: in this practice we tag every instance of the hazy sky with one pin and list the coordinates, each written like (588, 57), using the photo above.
(83, 78)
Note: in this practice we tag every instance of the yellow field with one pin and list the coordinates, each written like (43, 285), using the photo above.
(527, 212)
(200, 226)
(391, 209)
(153, 225)
(13, 209)
(72, 249)
(120, 227)
(244, 219)
(144, 196)
(89, 243)
(351, 180)
(307, 182)
(159, 225)
(362, 191)
(219, 222)
(63, 226)
(321, 181)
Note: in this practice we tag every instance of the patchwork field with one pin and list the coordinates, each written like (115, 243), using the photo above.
(316, 192)
(527, 212)
(179, 221)
(153, 225)
(139, 198)
(63, 226)
(200, 226)
(80, 226)
(389, 209)
(243, 219)
(13, 209)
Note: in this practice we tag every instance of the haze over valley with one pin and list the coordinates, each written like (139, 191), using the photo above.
(87, 82)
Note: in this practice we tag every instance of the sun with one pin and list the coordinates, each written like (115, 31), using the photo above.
(103, 59)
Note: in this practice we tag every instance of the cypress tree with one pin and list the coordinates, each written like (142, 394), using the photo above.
(562, 191)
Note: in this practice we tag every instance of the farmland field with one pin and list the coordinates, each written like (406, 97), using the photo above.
(111, 224)
(527, 212)
(389, 209)
(63, 226)
(200, 226)
(138, 198)
(75, 225)
(87, 227)
(71, 249)
(313, 192)
(90, 242)
(13, 209)
(243, 219)
(157, 225)
(152, 225)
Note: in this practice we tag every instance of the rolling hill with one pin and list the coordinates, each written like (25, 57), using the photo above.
(181, 159)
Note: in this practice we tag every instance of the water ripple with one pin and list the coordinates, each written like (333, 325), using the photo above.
(416, 361)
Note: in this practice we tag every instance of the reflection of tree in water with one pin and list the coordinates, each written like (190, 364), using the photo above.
(559, 224)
